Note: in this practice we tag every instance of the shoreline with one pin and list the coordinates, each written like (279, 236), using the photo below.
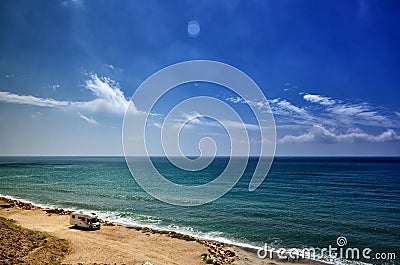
(210, 250)
(133, 225)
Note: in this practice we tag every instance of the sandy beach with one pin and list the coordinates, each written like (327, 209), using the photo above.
(117, 244)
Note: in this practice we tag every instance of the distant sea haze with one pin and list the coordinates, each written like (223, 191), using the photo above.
(304, 202)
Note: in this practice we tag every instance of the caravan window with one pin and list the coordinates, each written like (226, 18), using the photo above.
(83, 219)
(73, 216)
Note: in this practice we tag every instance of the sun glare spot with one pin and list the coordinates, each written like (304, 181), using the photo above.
(193, 28)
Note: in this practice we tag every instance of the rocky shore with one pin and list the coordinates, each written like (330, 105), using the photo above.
(218, 253)
(112, 244)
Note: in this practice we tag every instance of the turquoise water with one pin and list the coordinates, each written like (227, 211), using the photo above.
(304, 202)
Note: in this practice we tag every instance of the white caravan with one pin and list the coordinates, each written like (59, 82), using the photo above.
(84, 220)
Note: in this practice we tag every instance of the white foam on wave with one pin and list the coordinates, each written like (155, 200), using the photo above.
(317, 257)
(154, 223)
(31, 202)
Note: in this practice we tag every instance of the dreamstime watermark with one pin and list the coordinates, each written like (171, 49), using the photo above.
(339, 251)
(136, 137)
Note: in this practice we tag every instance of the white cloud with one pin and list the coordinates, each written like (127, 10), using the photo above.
(36, 115)
(195, 120)
(32, 100)
(330, 120)
(194, 116)
(349, 109)
(156, 124)
(349, 113)
(320, 134)
(283, 106)
(277, 106)
(239, 125)
(73, 3)
(334, 121)
(110, 66)
(319, 99)
(236, 100)
(109, 98)
(89, 120)
(260, 104)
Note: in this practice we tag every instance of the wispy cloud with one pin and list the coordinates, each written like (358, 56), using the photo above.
(260, 104)
(284, 107)
(89, 120)
(73, 3)
(32, 100)
(350, 113)
(285, 110)
(324, 119)
(36, 115)
(109, 98)
(195, 120)
(238, 125)
(319, 99)
(236, 100)
(54, 87)
(113, 69)
(110, 66)
(320, 134)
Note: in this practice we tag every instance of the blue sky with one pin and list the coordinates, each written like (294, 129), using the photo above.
(329, 70)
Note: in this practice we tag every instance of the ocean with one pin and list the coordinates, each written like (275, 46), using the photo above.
(303, 203)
